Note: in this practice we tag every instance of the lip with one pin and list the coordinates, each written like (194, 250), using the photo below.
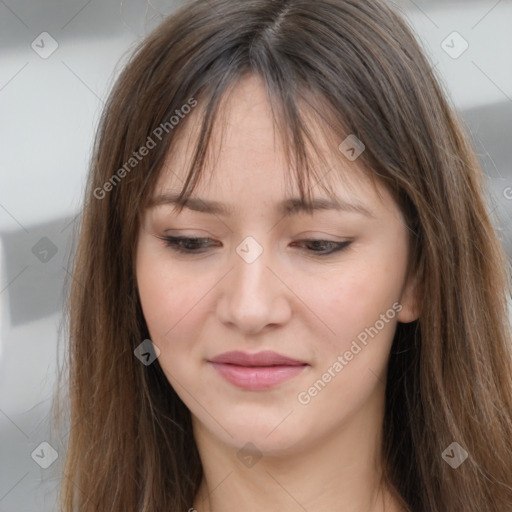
(264, 358)
(259, 371)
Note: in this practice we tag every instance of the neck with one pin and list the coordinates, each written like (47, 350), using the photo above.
(342, 471)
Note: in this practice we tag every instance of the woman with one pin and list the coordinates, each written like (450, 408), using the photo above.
(335, 342)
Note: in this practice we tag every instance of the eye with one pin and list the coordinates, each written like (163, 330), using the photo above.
(187, 245)
(320, 245)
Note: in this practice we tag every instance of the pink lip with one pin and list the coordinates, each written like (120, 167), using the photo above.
(256, 371)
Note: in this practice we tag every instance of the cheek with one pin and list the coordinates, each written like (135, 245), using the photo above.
(357, 297)
(168, 298)
(171, 304)
(359, 305)
(350, 363)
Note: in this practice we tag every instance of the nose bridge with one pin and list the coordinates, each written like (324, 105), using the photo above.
(250, 275)
(251, 298)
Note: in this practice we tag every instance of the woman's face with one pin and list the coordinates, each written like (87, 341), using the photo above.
(256, 284)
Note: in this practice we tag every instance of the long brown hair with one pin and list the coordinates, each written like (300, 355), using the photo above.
(357, 66)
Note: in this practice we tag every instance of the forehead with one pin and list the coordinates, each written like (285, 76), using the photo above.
(247, 152)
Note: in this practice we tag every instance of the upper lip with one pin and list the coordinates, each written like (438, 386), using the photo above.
(265, 358)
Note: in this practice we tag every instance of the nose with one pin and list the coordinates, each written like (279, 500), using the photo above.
(254, 296)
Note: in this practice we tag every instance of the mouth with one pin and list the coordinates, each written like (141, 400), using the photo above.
(260, 371)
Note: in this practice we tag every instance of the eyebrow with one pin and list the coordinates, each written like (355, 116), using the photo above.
(288, 207)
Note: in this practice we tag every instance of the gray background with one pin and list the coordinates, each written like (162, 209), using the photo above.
(50, 108)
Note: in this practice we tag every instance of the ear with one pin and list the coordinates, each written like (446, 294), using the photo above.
(409, 301)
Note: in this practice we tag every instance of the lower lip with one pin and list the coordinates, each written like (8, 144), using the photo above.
(257, 377)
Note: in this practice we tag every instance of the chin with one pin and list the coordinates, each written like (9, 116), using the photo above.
(269, 434)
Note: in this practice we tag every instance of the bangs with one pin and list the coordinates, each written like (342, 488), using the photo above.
(308, 130)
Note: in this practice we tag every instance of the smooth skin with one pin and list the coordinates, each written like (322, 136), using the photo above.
(323, 455)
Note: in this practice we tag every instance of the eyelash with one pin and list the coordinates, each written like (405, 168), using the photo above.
(174, 243)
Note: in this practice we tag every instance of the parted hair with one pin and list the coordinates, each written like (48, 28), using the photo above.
(358, 66)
